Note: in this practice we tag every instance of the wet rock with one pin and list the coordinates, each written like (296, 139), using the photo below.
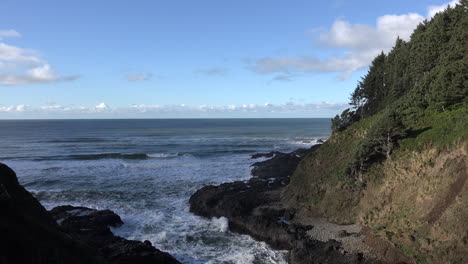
(254, 207)
(75, 235)
(280, 165)
(92, 227)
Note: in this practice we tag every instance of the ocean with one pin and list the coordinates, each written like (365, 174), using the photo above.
(145, 170)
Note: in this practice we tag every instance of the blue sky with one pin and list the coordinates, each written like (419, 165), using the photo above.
(160, 59)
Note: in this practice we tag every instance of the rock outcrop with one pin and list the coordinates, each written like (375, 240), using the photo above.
(254, 207)
(92, 227)
(67, 235)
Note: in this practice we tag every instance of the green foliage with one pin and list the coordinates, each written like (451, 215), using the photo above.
(416, 79)
(340, 122)
(412, 98)
(431, 70)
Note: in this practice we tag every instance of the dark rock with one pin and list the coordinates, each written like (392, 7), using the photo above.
(254, 207)
(281, 165)
(92, 226)
(84, 219)
(263, 155)
(121, 251)
(30, 234)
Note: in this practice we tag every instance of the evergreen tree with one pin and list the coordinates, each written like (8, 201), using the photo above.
(386, 131)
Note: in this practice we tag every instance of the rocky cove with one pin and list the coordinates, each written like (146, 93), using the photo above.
(254, 207)
(69, 234)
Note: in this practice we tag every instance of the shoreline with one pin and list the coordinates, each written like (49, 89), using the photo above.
(251, 207)
(254, 207)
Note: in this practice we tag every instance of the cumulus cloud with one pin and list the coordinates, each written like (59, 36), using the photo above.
(11, 108)
(182, 110)
(40, 74)
(213, 71)
(101, 107)
(363, 37)
(432, 10)
(139, 77)
(25, 66)
(18, 56)
(356, 44)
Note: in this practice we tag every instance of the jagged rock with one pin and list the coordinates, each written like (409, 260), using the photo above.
(30, 234)
(92, 226)
(254, 207)
(280, 164)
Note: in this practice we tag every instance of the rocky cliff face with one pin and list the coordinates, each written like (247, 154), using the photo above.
(421, 204)
(415, 200)
(30, 234)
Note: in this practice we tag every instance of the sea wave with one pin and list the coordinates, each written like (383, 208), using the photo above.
(163, 155)
(109, 156)
(99, 156)
(79, 140)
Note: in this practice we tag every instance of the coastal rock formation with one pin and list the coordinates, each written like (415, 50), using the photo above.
(30, 234)
(92, 227)
(254, 207)
(280, 165)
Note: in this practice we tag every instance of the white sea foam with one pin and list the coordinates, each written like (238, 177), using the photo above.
(163, 155)
(221, 224)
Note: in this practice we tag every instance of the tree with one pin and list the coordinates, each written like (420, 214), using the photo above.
(373, 85)
(358, 100)
(340, 122)
(387, 129)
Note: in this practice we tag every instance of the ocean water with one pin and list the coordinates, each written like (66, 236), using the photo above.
(146, 170)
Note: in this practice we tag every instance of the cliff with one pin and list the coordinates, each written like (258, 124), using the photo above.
(397, 163)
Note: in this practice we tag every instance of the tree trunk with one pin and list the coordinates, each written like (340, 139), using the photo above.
(389, 145)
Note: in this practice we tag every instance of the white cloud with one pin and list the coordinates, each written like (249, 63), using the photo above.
(359, 37)
(101, 107)
(102, 110)
(432, 10)
(40, 74)
(24, 66)
(14, 55)
(13, 108)
(356, 44)
(9, 33)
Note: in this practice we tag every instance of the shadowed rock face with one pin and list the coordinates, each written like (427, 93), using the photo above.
(254, 207)
(92, 226)
(30, 234)
(280, 165)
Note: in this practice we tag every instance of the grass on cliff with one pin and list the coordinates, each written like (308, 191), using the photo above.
(323, 182)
